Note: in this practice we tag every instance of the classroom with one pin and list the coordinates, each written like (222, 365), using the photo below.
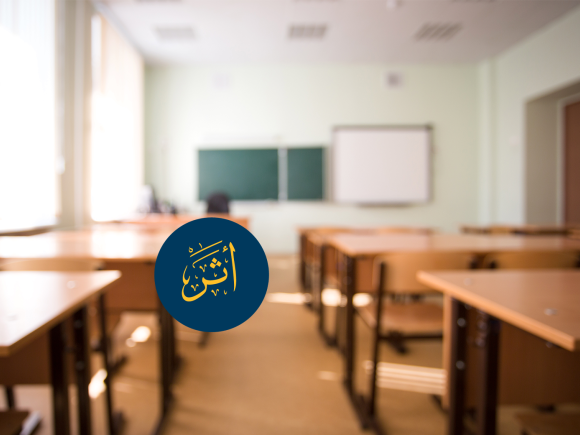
(315, 217)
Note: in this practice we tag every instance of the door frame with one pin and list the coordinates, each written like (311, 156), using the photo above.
(561, 149)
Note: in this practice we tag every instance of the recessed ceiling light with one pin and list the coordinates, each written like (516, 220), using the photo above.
(307, 31)
(437, 31)
(174, 33)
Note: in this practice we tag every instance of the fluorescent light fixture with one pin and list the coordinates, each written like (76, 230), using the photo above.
(175, 33)
(307, 31)
(437, 31)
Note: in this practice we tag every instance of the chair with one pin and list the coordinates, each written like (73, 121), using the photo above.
(218, 203)
(531, 260)
(395, 322)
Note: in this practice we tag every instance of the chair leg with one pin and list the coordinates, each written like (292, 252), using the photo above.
(9, 391)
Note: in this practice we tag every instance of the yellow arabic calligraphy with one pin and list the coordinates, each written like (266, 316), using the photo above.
(209, 282)
(186, 298)
(233, 263)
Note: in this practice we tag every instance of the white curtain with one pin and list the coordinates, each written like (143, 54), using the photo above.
(28, 180)
(117, 124)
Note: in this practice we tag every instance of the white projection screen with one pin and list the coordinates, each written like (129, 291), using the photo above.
(381, 165)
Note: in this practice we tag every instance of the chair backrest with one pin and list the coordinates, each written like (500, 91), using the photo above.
(402, 268)
(531, 260)
(218, 203)
(51, 264)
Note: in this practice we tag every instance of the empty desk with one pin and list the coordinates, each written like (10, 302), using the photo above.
(35, 303)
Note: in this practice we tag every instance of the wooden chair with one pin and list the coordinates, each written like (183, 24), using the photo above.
(395, 322)
(549, 424)
(531, 260)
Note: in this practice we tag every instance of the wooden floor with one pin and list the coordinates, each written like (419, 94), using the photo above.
(271, 375)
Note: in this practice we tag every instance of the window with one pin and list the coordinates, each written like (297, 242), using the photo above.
(28, 180)
(117, 124)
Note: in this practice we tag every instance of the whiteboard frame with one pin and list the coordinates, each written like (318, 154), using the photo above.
(427, 127)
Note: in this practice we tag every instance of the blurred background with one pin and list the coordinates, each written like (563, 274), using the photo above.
(111, 110)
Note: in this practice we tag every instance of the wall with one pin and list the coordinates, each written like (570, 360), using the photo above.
(539, 65)
(189, 107)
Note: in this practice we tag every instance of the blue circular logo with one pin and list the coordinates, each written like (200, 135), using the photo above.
(211, 274)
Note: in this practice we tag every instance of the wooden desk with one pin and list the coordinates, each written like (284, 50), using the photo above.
(529, 230)
(132, 252)
(544, 303)
(356, 252)
(35, 303)
(176, 221)
(318, 261)
(307, 251)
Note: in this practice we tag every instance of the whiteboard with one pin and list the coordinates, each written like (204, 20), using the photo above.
(381, 165)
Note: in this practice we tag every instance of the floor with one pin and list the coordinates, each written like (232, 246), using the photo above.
(271, 375)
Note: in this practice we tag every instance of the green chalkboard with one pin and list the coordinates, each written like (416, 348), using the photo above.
(243, 174)
(305, 173)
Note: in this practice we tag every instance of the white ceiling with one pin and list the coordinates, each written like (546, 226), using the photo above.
(357, 30)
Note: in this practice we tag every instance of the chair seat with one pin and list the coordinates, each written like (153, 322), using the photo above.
(406, 318)
(11, 422)
(550, 424)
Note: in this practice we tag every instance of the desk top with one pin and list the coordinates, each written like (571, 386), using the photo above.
(319, 236)
(376, 244)
(522, 229)
(110, 244)
(33, 302)
(545, 303)
(178, 220)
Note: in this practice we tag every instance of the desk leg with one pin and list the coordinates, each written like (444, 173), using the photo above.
(82, 369)
(58, 373)
(457, 367)
(487, 340)
(303, 262)
(350, 280)
(105, 348)
(320, 288)
(166, 357)
(174, 357)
